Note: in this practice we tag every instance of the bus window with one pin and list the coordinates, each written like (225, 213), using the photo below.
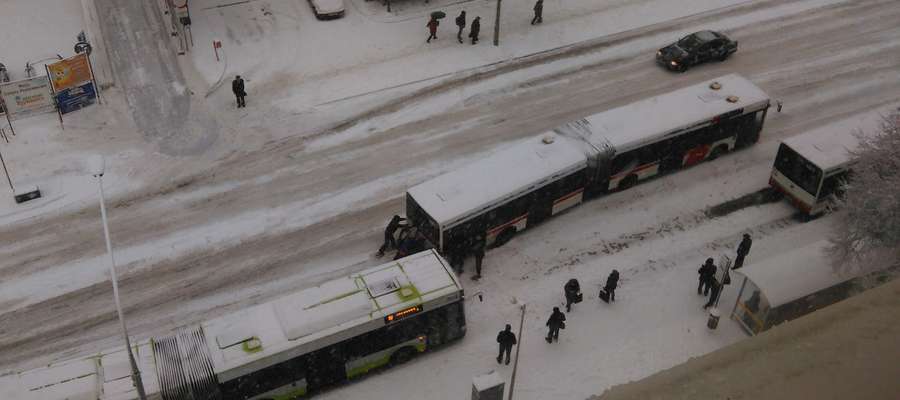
(798, 169)
(624, 163)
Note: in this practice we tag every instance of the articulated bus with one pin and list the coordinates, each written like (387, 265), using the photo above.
(279, 350)
(519, 186)
(810, 167)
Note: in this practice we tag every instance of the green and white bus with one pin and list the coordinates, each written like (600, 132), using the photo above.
(279, 350)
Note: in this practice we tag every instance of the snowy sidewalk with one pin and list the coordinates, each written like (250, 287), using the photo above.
(271, 48)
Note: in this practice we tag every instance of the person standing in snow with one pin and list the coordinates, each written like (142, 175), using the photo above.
(461, 24)
(432, 28)
(237, 87)
(507, 340)
(571, 289)
(742, 251)
(556, 322)
(714, 293)
(389, 241)
(538, 12)
(478, 251)
(612, 281)
(707, 273)
(474, 29)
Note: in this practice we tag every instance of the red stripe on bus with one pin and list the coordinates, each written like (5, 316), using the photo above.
(491, 231)
(794, 199)
(568, 196)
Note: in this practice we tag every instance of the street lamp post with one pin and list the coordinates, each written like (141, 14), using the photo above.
(98, 167)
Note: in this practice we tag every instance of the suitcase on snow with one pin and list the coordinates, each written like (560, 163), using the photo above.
(604, 295)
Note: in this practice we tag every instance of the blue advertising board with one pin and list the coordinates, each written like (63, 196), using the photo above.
(75, 98)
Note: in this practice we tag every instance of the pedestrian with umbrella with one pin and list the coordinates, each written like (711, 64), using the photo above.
(433, 25)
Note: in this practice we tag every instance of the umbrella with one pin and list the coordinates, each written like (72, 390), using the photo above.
(438, 15)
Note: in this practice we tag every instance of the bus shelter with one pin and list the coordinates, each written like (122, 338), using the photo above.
(787, 286)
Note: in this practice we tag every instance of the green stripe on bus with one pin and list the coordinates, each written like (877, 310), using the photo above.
(362, 369)
(293, 394)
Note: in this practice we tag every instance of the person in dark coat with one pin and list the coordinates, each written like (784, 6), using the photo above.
(538, 12)
(474, 29)
(432, 28)
(556, 322)
(571, 289)
(237, 87)
(707, 272)
(478, 252)
(507, 340)
(389, 241)
(456, 255)
(461, 23)
(742, 251)
(714, 293)
(612, 281)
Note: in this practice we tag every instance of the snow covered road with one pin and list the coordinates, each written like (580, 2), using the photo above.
(261, 223)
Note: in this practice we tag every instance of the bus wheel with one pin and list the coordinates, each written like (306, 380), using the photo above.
(628, 182)
(402, 355)
(718, 152)
(504, 236)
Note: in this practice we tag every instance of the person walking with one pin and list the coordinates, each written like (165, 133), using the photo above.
(478, 252)
(538, 12)
(742, 251)
(707, 272)
(474, 29)
(237, 87)
(461, 24)
(432, 29)
(714, 293)
(572, 290)
(389, 241)
(612, 281)
(507, 340)
(556, 322)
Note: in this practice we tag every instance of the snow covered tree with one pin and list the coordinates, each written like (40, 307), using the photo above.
(869, 230)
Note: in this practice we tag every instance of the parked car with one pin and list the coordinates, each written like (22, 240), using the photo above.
(327, 9)
(696, 48)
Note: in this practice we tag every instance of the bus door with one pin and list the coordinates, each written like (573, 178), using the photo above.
(542, 204)
(326, 367)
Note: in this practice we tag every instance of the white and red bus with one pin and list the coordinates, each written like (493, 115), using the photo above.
(810, 167)
(525, 183)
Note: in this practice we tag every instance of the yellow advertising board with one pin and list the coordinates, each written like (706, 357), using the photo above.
(70, 72)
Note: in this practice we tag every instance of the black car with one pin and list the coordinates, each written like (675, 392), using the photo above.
(696, 48)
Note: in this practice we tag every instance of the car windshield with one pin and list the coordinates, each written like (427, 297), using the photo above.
(690, 42)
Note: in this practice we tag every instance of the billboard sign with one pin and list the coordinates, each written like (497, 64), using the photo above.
(27, 97)
(74, 98)
(70, 72)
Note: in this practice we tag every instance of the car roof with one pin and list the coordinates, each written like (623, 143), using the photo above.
(706, 35)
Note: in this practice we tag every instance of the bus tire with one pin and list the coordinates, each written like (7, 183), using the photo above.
(628, 182)
(505, 236)
(402, 355)
(719, 151)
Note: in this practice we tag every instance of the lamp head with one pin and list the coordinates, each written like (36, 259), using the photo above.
(96, 165)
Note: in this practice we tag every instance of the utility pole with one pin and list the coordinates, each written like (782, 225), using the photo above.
(98, 167)
(497, 29)
(512, 381)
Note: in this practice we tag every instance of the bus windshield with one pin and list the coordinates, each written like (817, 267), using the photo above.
(798, 169)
